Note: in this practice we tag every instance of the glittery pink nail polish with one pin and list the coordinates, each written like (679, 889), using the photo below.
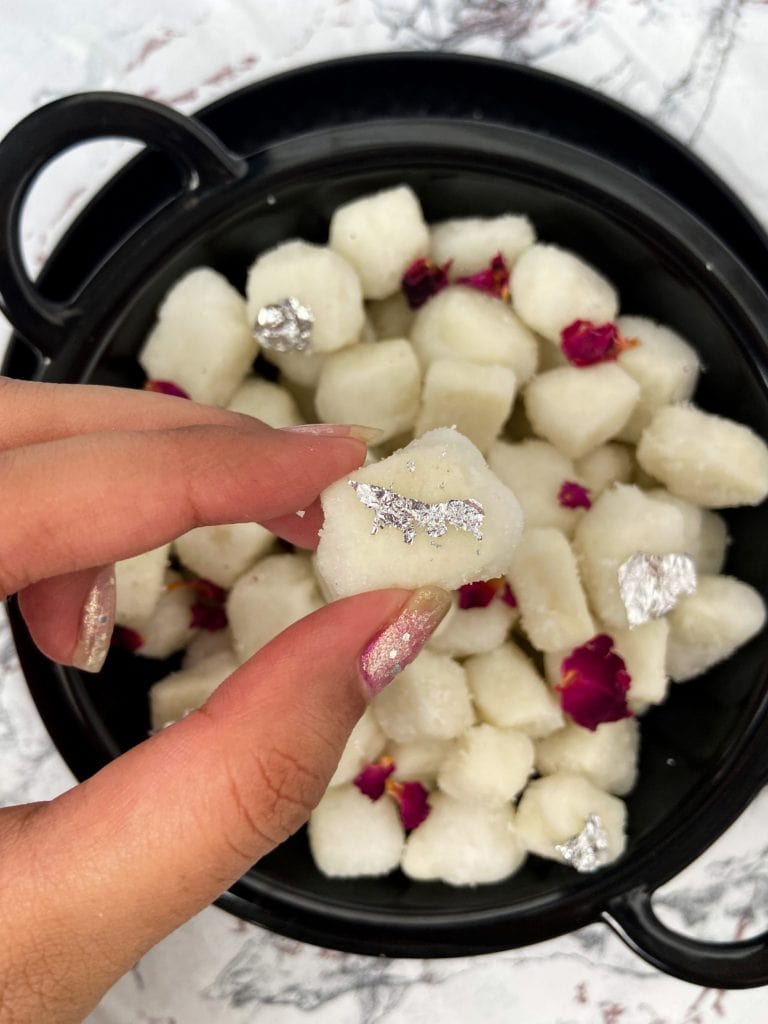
(397, 645)
(97, 623)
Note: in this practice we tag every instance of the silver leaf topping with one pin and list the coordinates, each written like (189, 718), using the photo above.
(650, 585)
(585, 851)
(408, 514)
(284, 326)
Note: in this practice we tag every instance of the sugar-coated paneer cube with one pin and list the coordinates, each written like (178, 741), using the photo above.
(375, 383)
(466, 631)
(463, 844)
(535, 471)
(391, 317)
(169, 627)
(644, 650)
(607, 756)
(707, 459)
(609, 464)
(298, 370)
(365, 743)
(278, 591)
(364, 542)
(419, 759)
(555, 808)
(139, 584)
(622, 522)
(429, 698)
(351, 836)
(552, 287)
(707, 627)
(509, 692)
(713, 543)
(545, 580)
(464, 323)
(321, 280)
(487, 765)
(380, 235)
(223, 553)
(580, 408)
(665, 367)
(475, 398)
(267, 401)
(692, 518)
(181, 692)
(204, 643)
(470, 243)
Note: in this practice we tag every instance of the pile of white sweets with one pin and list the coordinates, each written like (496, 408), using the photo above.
(478, 406)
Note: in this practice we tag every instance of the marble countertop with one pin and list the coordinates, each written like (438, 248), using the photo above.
(696, 67)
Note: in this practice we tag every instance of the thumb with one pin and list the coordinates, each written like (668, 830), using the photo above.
(156, 835)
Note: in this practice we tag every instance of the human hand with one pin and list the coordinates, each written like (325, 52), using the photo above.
(91, 475)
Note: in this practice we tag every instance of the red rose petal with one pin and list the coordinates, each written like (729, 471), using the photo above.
(127, 639)
(494, 280)
(371, 781)
(482, 592)
(165, 387)
(422, 280)
(584, 343)
(507, 595)
(594, 684)
(205, 616)
(412, 801)
(573, 495)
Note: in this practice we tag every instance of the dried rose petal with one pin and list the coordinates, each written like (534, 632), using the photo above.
(209, 593)
(584, 343)
(594, 684)
(412, 801)
(208, 611)
(482, 592)
(573, 495)
(204, 616)
(372, 780)
(494, 280)
(127, 639)
(507, 595)
(422, 280)
(165, 387)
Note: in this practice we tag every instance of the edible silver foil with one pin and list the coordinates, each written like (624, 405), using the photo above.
(650, 585)
(410, 514)
(585, 851)
(284, 326)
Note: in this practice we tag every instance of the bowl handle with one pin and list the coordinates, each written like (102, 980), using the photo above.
(738, 964)
(204, 163)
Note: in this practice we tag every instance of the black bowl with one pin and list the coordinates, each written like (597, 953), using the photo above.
(476, 138)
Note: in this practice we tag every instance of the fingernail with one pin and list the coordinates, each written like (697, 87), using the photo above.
(97, 623)
(397, 645)
(370, 435)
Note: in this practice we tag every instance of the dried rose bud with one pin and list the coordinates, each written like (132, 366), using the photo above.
(371, 781)
(593, 684)
(584, 343)
(573, 495)
(165, 387)
(422, 280)
(127, 639)
(412, 801)
(494, 280)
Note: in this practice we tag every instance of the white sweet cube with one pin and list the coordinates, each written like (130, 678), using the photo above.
(623, 522)
(223, 553)
(535, 471)
(692, 518)
(278, 591)
(470, 243)
(555, 808)
(666, 368)
(430, 698)
(419, 759)
(267, 401)
(644, 650)
(441, 469)
(351, 836)
(487, 765)
(169, 628)
(552, 287)
(464, 323)
(181, 692)
(375, 383)
(321, 280)
(202, 340)
(391, 317)
(508, 692)
(713, 543)
(380, 236)
(579, 408)
(297, 369)
(707, 627)
(365, 743)
(139, 584)
(707, 459)
(204, 643)
(463, 844)
(609, 464)
(606, 756)
(466, 631)
(545, 580)
(551, 357)
(475, 398)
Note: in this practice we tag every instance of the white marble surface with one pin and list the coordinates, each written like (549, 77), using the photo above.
(698, 68)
